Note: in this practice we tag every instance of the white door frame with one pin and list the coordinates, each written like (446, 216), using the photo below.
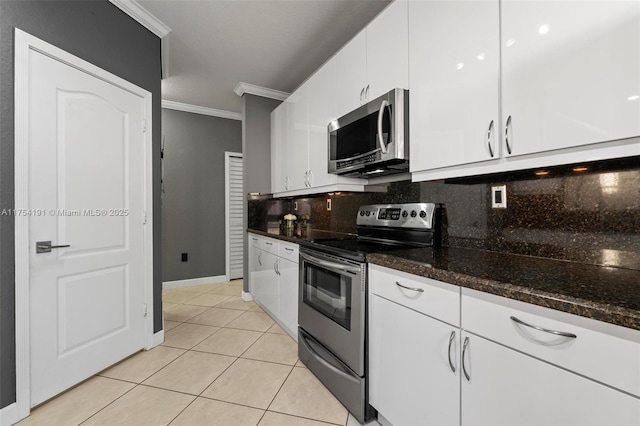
(227, 242)
(23, 44)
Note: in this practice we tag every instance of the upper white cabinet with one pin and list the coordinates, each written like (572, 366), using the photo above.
(567, 72)
(298, 140)
(351, 78)
(388, 51)
(374, 61)
(454, 64)
(570, 73)
(279, 142)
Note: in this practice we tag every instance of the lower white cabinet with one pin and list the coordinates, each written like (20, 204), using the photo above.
(487, 368)
(273, 280)
(506, 387)
(411, 381)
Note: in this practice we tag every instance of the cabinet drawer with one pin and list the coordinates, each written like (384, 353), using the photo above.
(270, 245)
(604, 352)
(289, 251)
(430, 297)
(254, 240)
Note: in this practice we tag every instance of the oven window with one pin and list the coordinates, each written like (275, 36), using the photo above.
(328, 293)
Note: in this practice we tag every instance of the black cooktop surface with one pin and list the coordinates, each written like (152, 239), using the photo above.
(354, 248)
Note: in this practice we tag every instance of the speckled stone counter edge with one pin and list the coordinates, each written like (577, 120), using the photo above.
(598, 311)
(585, 308)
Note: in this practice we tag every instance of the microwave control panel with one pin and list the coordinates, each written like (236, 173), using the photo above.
(409, 215)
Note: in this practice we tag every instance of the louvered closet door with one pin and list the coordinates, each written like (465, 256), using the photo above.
(235, 205)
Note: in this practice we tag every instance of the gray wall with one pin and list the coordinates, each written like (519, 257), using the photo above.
(194, 184)
(102, 34)
(256, 146)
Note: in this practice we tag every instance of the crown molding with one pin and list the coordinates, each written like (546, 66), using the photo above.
(150, 22)
(178, 106)
(252, 89)
(143, 16)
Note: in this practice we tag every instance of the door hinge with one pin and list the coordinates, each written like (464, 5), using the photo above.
(144, 126)
(144, 310)
(144, 218)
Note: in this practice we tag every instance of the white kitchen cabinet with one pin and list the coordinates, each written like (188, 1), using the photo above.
(374, 61)
(410, 380)
(413, 353)
(568, 84)
(506, 372)
(351, 81)
(569, 73)
(506, 387)
(279, 145)
(388, 51)
(288, 295)
(454, 64)
(298, 140)
(273, 273)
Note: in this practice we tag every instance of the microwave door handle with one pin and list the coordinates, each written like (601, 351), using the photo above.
(330, 265)
(383, 147)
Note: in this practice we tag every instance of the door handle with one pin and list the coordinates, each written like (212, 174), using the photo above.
(383, 147)
(45, 246)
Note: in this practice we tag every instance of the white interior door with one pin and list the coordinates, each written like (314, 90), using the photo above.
(234, 204)
(86, 190)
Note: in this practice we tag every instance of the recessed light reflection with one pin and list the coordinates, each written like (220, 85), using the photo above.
(541, 173)
(460, 65)
(633, 98)
(481, 56)
(543, 29)
(510, 42)
(580, 169)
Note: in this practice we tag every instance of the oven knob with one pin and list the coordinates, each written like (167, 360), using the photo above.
(405, 213)
(413, 213)
(423, 214)
(361, 212)
(368, 213)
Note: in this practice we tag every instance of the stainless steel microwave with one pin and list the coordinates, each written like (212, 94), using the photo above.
(373, 140)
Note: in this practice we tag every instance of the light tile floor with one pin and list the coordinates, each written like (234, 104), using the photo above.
(224, 362)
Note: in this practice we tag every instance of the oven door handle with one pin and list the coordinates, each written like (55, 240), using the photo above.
(330, 265)
(330, 365)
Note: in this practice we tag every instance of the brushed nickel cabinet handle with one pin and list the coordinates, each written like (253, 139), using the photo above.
(419, 290)
(464, 350)
(489, 132)
(546, 330)
(453, 336)
(506, 134)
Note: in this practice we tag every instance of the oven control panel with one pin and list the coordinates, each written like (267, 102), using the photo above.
(409, 215)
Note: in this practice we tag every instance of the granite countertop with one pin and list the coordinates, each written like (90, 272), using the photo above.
(312, 234)
(602, 293)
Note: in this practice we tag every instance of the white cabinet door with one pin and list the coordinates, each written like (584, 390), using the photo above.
(410, 379)
(454, 63)
(510, 388)
(257, 273)
(569, 73)
(322, 109)
(268, 283)
(388, 51)
(351, 64)
(296, 149)
(288, 298)
(279, 142)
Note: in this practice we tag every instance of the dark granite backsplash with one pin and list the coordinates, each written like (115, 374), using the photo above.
(589, 217)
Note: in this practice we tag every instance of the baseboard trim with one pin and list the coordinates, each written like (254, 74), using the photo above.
(9, 415)
(195, 281)
(246, 296)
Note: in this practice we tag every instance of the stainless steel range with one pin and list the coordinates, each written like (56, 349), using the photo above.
(332, 308)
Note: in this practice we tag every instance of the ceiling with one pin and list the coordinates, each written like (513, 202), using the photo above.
(277, 44)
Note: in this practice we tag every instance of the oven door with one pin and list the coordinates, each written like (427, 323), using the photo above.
(331, 305)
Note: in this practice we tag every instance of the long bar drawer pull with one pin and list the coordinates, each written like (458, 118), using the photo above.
(419, 290)
(546, 330)
(453, 336)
